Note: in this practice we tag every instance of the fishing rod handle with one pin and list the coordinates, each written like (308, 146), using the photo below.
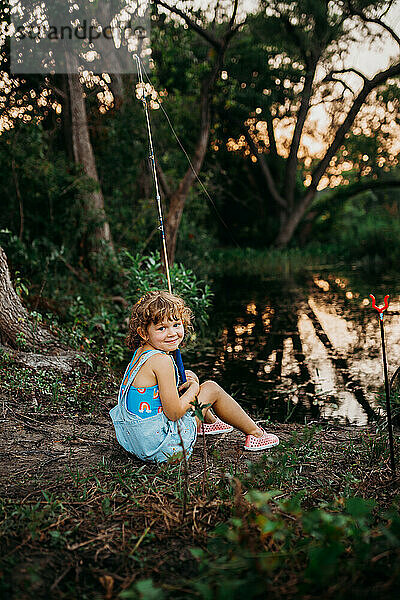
(179, 364)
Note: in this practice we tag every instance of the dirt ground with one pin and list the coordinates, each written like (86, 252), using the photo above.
(36, 448)
(96, 540)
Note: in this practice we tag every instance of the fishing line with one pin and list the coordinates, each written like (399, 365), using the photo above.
(153, 167)
(143, 70)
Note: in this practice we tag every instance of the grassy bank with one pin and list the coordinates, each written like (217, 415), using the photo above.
(271, 261)
(80, 518)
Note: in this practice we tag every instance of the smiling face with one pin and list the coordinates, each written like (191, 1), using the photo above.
(166, 335)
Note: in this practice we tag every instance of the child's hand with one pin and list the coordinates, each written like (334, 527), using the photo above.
(191, 375)
(190, 383)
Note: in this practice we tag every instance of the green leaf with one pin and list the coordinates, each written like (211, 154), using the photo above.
(359, 507)
(143, 590)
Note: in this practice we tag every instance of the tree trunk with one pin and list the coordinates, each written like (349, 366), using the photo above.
(16, 328)
(19, 333)
(290, 220)
(84, 156)
(66, 116)
(176, 206)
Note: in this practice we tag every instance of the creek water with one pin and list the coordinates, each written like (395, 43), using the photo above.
(303, 346)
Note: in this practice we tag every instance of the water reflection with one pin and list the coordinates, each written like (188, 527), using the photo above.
(302, 348)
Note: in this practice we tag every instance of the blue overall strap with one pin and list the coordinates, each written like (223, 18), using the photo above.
(126, 372)
(134, 371)
(139, 363)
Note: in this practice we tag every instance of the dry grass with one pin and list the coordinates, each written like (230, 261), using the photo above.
(82, 518)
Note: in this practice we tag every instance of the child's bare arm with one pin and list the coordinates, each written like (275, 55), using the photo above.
(174, 406)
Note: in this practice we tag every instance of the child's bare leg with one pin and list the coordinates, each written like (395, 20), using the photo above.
(209, 416)
(227, 408)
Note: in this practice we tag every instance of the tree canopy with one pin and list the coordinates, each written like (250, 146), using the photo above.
(270, 106)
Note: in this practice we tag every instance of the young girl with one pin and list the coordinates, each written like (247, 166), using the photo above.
(151, 404)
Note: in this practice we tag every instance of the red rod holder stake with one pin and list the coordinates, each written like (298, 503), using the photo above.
(381, 310)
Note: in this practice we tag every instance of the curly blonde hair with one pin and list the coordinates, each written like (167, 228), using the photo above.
(154, 307)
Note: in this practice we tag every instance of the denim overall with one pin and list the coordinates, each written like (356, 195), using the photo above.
(154, 438)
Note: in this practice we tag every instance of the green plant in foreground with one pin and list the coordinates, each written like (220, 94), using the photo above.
(197, 411)
(266, 542)
(276, 540)
(142, 590)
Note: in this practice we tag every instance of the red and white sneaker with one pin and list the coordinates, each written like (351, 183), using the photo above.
(267, 440)
(213, 428)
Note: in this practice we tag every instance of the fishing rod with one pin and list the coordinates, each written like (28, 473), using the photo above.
(177, 354)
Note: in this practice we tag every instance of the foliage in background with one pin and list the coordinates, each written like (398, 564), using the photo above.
(362, 226)
(42, 192)
(144, 273)
(255, 262)
(91, 314)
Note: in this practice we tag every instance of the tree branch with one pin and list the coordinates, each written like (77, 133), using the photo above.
(213, 41)
(348, 191)
(214, 21)
(344, 192)
(238, 26)
(163, 180)
(344, 84)
(291, 165)
(368, 86)
(389, 6)
(359, 13)
(233, 17)
(202, 141)
(329, 76)
(57, 90)
(271, 136)
(300, 208)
